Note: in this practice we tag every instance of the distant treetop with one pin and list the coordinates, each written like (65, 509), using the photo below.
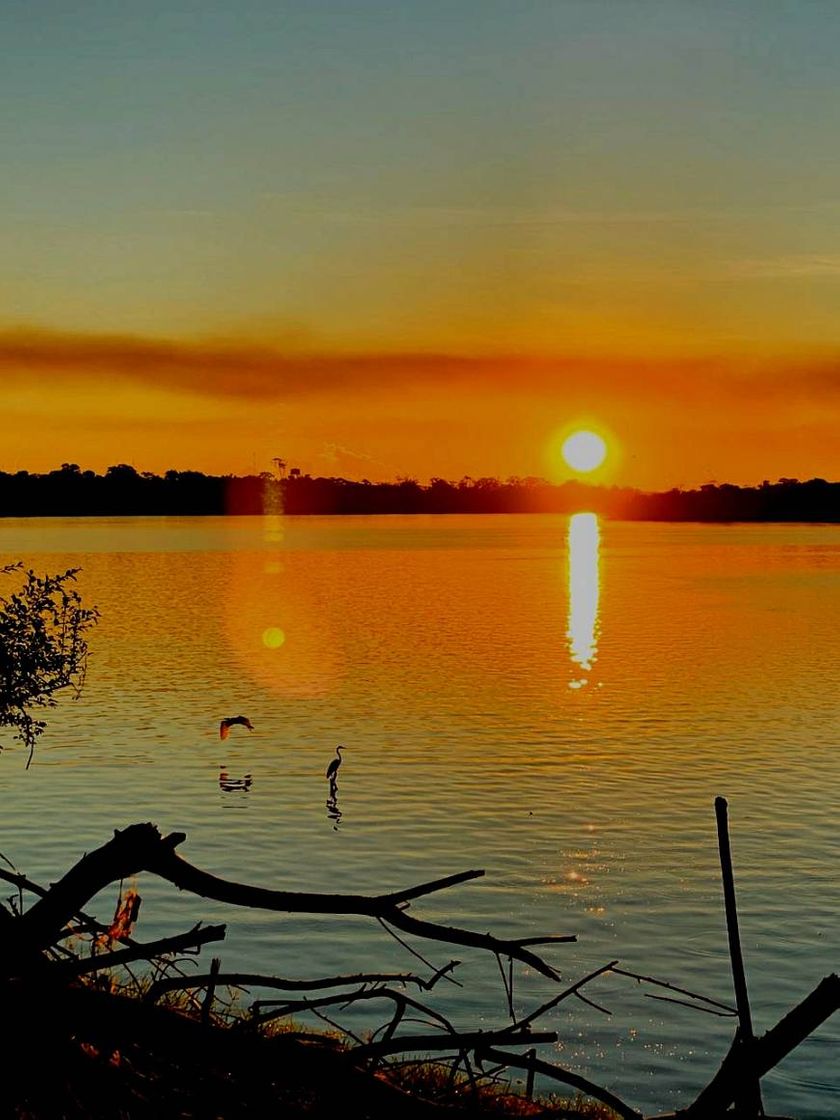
(121, 490)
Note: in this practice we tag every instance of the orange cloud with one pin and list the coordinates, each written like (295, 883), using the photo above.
(256, 371)
(230, 406)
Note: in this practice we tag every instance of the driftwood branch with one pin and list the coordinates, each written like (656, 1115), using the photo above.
(141, 848)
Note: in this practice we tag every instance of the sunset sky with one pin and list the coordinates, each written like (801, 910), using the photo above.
(422, 238)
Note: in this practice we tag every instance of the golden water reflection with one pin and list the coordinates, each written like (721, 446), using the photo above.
(584, 542)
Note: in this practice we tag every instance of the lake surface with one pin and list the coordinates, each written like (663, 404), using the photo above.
(555, 700)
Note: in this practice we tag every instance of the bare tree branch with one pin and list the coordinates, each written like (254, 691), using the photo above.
(570, 991)
(141, 847)
(469, 1040)
(192, 939)
(693, 1006)
(256, 980)
(673, 988)
(400, 999)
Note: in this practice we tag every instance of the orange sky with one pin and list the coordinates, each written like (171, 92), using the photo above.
(232, 406)
(421, 239)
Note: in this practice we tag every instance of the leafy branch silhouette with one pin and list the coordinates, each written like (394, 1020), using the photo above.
(43, 648)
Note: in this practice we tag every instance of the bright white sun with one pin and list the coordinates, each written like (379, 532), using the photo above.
(584, 451)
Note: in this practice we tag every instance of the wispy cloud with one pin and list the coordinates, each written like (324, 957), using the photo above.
(340, 456)
(792, 267)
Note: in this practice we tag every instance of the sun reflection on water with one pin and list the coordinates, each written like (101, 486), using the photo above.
(584, 541)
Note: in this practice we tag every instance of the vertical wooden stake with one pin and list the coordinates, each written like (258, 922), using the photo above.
(751, 1097)
(529, 1083)
(207, 1006)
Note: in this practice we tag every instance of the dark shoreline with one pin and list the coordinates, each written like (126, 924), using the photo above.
(733, 522)
(122, 491)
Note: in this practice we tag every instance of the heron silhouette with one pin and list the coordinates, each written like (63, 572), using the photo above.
(233, 721)
(332, 769)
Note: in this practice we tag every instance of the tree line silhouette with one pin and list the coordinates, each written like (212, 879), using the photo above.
(122, 490)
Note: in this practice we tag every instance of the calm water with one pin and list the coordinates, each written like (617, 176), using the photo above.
(557, 702)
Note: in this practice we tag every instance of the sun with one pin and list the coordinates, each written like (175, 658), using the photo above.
(584, 451)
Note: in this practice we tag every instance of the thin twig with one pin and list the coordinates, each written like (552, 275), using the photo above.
(693, 1006)
(570, 991)
(673, 988)
(592, 1003)
(337, 1026)
(506, 986)
(415, 953)
(247, 980)
(363, 995)
(193, 938)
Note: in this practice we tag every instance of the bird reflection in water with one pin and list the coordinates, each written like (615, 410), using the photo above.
(584, 541)
(333, 811)
(230, 784)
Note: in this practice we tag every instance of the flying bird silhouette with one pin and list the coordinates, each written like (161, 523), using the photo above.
(233, 721)
(332, 769)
